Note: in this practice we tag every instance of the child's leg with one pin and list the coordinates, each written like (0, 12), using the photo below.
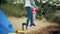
(33, 24)
(34, 17)
(31, 20)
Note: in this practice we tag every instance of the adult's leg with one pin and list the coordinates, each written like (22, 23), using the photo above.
(31, 18)
(29, 15)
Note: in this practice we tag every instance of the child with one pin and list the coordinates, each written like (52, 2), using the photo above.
(33, 12)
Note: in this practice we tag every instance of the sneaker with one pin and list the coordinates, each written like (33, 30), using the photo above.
(32, 26)
(28, 28)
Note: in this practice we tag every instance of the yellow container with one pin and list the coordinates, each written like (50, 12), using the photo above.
(21, 31)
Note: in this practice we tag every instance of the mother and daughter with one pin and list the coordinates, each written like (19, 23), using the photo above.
(31, 11)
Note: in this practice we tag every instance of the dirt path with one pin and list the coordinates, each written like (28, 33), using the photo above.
(41, 25)
(17, 22)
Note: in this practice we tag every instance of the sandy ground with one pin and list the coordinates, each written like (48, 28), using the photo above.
(17, 22)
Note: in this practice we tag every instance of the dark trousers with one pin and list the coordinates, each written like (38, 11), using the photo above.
(30, 16)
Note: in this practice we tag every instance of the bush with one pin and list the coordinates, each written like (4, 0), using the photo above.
(46, 11)
(13, 10)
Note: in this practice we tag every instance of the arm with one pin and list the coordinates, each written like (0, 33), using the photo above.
(33, 3)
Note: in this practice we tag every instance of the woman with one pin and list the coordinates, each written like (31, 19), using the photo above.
(28, 4)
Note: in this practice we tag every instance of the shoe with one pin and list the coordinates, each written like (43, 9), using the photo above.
(32, 26)
(28, 28)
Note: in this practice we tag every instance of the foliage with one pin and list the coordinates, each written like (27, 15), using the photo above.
(46, 10)
(13, 10)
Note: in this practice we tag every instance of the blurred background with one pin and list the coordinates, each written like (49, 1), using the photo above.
(47, 17)
(48, 9)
